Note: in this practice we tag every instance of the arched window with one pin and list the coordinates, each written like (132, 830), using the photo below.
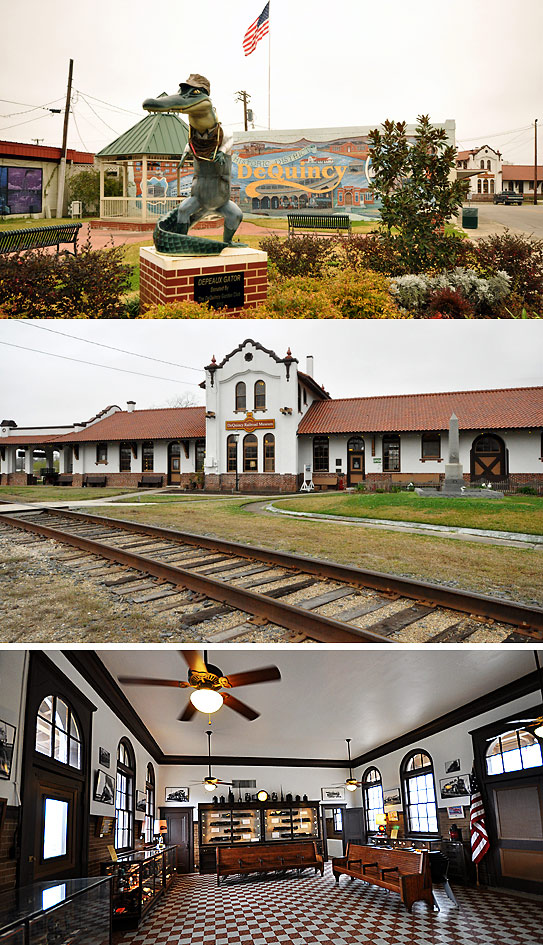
(391, 453)
(149, 804)
(260, 395)
(125, 457)
(419, 793)
(486, 443)
(513, 751)
(269, 453)
(241, 396)
(488, 165)
(431, 446)
(250, 453)
(491, 186)
(231, 453)
(320, 454)
(372, 792)
(124, 796)
(485, 186)
(355, 445)
(482, 165)
(479, 186)
(147, 457)
(200, 453)
(58, 734)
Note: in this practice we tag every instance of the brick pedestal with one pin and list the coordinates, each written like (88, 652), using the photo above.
(171, 278)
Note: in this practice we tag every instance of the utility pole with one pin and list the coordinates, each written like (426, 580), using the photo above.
(535, 162)
(244, 97)
(64, 150)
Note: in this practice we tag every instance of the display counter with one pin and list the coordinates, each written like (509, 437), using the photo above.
(140, 877)
(70, 912)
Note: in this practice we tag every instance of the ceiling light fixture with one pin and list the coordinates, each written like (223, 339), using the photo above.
(206, 700)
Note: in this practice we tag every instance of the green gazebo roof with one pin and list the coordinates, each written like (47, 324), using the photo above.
(158, 134)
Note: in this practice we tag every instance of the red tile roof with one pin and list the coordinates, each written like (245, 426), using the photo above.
(40, 152)
(31, 440)
(521, 172)
(476, 410)
(170, 423)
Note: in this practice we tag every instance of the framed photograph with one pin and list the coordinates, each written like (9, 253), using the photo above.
(141, 801)
(178, 795)
(105, 788)
(457, 786)
(452, 766)
(333, 793)
(104, 757)
(455, 813)
(7, 741)
(392, 798)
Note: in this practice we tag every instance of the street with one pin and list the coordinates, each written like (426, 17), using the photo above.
(493, 218)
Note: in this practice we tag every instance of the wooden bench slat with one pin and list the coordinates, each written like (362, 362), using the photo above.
(399, 871)
(38, 237)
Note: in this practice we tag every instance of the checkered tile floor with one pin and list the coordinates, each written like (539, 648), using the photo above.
(311, 910)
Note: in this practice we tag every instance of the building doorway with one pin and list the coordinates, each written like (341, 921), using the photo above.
(174, 464)
(181, 833)
(332, 829)
(355, 461)
(488, 458)
(518, 816)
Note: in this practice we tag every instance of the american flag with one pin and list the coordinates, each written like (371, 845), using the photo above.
(257, 31)
(479, 836)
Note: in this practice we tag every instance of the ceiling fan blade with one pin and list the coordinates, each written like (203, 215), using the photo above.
(252, 676)
(148, 681)
(194, 660)
(224, 782)
(187, 714)
(239, 706)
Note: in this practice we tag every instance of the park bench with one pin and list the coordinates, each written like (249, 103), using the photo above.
(401, 871)
(95, 479)
(268, 858)
(148, 479)
(64, 480)
(324, 480)
(318, 221)
(38, 237)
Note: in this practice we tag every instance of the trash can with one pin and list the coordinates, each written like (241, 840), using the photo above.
(470, 218)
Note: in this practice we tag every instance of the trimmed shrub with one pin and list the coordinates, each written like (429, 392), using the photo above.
(483, 295)
(389, 254)
(303, 255)
(520, 257)
(449, 303)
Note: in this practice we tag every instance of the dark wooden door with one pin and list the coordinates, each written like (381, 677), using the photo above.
(518, 817)
(174, 463)
(181, 832)
(488, 460)
(59, 821)
(355, 472)
(354, 825)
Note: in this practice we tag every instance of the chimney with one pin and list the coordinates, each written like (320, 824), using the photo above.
(309, 365)
(130, 404)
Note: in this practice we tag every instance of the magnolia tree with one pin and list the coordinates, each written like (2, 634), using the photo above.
(413, 181)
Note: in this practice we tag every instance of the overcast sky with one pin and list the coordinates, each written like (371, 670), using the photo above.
(352, 358)
(336, 63)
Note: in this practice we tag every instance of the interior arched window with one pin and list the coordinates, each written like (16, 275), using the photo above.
(260, 395)
(320, 454)
(124, 796)
(241, 396)
(269, 453)
(513, 751)
(419, 793)
(372, 791)
(58, 734)
(149, 804)
(250, 453)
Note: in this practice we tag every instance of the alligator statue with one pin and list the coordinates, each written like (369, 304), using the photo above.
(211, 150)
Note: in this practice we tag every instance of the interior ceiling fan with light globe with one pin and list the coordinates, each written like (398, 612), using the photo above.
(209, 782)
(350, 783)
(208, 683)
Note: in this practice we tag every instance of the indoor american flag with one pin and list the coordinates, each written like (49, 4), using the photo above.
(256, 31)
(479, 836)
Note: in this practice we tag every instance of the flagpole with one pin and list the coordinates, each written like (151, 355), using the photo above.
(269, 71)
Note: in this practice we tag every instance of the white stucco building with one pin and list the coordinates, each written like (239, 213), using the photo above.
(268, 426)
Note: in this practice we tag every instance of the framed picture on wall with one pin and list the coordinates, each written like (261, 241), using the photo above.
(452, 766)
(104, 757)
(141, 799)
(392, 798)
(457, 786)
(105, 788)
(179, 795)
(333, 793)
(455, 813)
(7, 741)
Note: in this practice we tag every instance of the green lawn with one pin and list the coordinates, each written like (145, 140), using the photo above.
(55, 493)
(9, 223)
(519, 513)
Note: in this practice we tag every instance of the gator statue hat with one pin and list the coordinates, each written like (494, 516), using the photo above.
(211, 151)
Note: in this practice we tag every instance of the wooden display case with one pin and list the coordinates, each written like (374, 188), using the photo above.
(140, 877)
(255, 822)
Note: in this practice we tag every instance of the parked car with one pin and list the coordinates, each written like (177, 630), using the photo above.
(508, 197)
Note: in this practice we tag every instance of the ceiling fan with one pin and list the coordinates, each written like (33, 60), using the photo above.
(350, 783)
(210, 783)
(207, 681)
(533, 725)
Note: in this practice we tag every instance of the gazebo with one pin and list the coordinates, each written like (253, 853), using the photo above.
(155, 143)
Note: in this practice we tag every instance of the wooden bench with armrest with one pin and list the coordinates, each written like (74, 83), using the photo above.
(95, 479)
(267, 858)
(150, 479)
(400, 871)
(64, 479)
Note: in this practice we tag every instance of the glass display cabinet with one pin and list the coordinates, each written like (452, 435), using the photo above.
(140, 877)
(71, 912)
(256, 822)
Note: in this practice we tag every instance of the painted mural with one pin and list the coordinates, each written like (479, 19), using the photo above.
(20, 190)
(274, 178)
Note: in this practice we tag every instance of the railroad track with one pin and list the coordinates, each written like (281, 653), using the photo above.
(223, 588)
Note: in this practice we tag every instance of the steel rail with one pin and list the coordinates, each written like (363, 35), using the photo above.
(510, 612)
(320, 628)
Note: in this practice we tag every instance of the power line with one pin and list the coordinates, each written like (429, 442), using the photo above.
(110, 104)
(78, 131)
(100, 344)
(27, 122)
(107, 367)
(99, 117)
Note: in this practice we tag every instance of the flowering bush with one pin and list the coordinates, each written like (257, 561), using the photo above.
(482, 295)
(521, 257)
